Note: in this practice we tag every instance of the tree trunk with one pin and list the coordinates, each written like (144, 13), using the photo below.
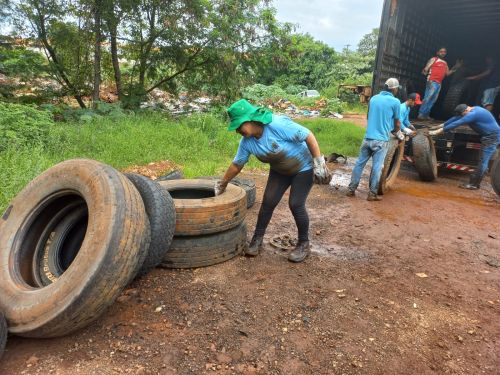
(42, 35)
(97, 52)
(114, 59)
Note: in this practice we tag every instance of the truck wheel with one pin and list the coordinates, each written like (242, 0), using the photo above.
(201, 251)
(495, 176)
(161, 213)
(456, 95)
(244, 183)
(198, 211)
(392, 163)
(3, 334)
(117, 232)
(424, 157)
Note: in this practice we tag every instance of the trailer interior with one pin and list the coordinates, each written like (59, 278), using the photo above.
(412, 31)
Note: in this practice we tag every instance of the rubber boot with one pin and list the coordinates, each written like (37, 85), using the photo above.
(301, 252)
(255, 245)
(474, 183)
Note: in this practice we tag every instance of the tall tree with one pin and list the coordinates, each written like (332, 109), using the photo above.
(42, 19)
(368, 44)
(97, 10)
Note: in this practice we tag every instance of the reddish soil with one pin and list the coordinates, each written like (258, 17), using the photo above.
(409, 285)
(359, 120)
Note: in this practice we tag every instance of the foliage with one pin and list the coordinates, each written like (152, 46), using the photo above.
(309, 61)
(22, 125)
(200, 144)
(101, 109)
(22, 63)
(367, 46)
(260, 93)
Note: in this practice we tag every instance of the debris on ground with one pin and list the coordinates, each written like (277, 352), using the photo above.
(153, 170)
(182, 104)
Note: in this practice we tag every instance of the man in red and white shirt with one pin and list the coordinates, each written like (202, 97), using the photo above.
(436, 70)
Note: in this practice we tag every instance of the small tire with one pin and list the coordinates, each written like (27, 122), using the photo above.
(59, 246)
(424, 157)
(392, 164)
(117, 232)
(245, 183)
(199, 212)
(207, 250)
(3, 334)
(161, 214)
(495, 176)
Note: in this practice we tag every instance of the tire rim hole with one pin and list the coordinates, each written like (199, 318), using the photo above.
(192, 193)
(31, 260)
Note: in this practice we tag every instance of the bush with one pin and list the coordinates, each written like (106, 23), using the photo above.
(261, 93)
(334, 105)
(23, 125)
(69, 114)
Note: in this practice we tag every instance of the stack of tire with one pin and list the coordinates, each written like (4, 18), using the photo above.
(71, 241)
(209, 229)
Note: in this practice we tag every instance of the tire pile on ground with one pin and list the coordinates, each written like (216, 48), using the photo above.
(209, 229)
(76, 235)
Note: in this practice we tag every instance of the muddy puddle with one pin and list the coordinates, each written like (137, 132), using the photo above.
(340, 252)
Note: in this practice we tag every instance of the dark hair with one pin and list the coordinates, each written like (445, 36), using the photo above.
(440, 48)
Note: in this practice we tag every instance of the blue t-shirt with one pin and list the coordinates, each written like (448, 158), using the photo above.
(282, 145)
(383, 110)
(479, 119)
(404, 116)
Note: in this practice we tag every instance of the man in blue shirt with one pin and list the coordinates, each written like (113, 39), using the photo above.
(383, 118)
(406, 126)
(482, 122)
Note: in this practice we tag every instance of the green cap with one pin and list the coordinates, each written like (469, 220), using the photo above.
(242, 111)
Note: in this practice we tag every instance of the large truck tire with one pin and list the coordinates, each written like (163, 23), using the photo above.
(3, 334)
(198, 211)
(244, 183)
(116, 235)
(424, 156)
(495, 176)
(202, 251)
(161, 213)
(392, 164)
(455, 95)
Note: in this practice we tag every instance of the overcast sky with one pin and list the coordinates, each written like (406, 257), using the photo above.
(335, 22)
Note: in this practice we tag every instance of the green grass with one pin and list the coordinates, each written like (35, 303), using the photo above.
(356, 108)
(200, 144)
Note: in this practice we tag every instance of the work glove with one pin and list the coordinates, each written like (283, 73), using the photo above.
(436, 132)
(220, 186)
(399, 135)
(440, 126)
(407, 131)
(322, 175)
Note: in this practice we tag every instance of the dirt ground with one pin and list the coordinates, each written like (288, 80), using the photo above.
(409, 285)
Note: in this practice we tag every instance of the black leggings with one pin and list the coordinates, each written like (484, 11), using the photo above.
(301, 184)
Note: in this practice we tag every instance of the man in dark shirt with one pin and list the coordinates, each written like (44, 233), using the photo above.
(482, 122)
(490, 84)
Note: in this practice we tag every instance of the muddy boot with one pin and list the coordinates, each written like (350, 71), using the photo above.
(373, 197)
(468, 186)
(254, 247)
(301, 252)
(474, 183)
(350, 193)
